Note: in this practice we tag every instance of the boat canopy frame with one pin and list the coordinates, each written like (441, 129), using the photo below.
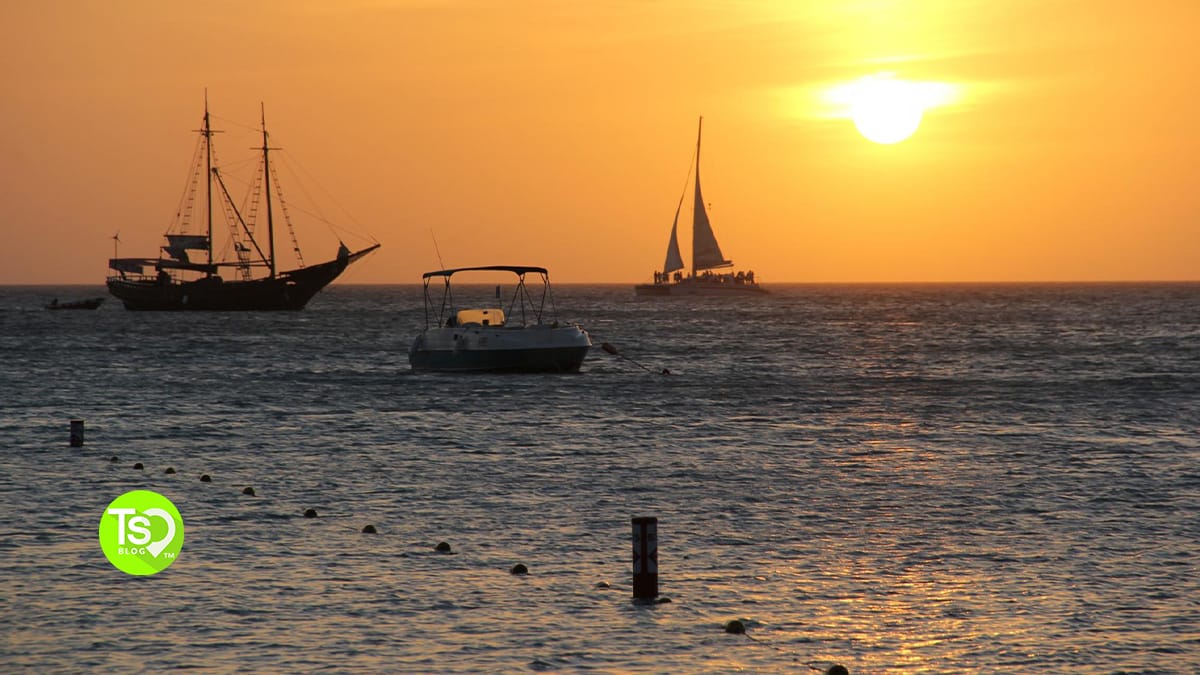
(522, 299)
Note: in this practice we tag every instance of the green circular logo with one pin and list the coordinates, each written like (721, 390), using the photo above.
(141, 532)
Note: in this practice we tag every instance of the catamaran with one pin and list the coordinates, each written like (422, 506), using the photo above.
(175, 281)
(706, 257)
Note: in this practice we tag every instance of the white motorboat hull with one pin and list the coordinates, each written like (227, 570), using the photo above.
(476, 348)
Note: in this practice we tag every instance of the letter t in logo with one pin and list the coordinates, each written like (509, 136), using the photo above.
(120, 514)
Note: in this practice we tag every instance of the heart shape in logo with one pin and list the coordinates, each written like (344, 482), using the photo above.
(157, 547)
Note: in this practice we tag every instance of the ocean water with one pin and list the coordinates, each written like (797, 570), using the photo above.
(899, 479)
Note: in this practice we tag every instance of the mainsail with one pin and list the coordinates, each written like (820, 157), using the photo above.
(706, 253)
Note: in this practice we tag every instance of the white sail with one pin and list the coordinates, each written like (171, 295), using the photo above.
(706, 253)
(178, 245)
(674, 260)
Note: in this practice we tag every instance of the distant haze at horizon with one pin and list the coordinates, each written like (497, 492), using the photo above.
(561, 134)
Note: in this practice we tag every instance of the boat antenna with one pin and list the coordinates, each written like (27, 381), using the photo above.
(436, 249)
(116, 241)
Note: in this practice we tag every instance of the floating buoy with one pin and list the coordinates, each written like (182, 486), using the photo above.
(170, 469)
(837, 670)
(113, 459)
(735, 626)
(248, 491)
(368, 529)
(519, 569)
(442, 547)
(138, 466)
(310, 513)
(603, 584)
(206, 478)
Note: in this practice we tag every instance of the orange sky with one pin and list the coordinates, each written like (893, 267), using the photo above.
(559, 133)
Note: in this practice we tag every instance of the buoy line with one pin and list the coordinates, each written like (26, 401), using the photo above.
(738, 627)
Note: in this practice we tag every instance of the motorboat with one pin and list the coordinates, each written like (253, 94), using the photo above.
(514, 331)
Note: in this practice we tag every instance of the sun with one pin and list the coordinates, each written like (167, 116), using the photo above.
(885, 109)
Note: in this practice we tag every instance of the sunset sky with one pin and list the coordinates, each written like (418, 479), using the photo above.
(1060, 141)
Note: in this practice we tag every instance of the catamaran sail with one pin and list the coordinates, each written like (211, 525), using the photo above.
(706, 252)
(674, 261)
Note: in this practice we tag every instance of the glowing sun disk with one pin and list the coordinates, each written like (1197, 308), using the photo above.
(888, 110)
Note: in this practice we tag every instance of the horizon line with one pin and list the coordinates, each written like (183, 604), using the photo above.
(765, 284)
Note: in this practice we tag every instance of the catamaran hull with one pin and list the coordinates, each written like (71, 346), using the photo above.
(287, 291)
(685, 288)
(537, 349)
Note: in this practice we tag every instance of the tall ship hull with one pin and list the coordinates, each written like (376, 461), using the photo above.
(188, 273)
(706, 257)
(286, 291)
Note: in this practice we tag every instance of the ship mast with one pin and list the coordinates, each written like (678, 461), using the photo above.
(699, 203)
(267, 188)
(207, 131)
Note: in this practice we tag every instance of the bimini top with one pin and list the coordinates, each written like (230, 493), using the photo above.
(515, 269)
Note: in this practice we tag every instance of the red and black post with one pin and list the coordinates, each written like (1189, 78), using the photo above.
(645, 558)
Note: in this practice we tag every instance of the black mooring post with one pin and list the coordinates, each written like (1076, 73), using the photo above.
(645, 558)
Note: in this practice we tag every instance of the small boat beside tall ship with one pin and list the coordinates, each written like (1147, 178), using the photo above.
(88, 303)
(176, 281)
(706, 257)
(487, 337)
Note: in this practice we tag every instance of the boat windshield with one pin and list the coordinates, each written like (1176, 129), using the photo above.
(478, 303)
(485, 317)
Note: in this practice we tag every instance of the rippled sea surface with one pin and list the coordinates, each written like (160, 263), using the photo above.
(914, 478)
